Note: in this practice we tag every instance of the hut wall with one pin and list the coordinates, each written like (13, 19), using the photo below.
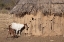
(41, 25)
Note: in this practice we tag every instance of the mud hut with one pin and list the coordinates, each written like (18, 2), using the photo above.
(44, 17)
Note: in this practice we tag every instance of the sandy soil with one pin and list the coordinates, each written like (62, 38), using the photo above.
(23, 38)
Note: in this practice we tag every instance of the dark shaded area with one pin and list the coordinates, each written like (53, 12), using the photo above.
(32, 18)
(7, 4)
(58, 14)
(15, 36)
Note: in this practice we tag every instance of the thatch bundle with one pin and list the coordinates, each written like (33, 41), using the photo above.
(32, 6)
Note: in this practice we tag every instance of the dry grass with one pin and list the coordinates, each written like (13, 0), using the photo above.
(5, 19)
(4, 11)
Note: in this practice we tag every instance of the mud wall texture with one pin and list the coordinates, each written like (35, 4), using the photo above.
(41, 25)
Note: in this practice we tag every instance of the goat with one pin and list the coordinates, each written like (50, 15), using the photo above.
(18, 27)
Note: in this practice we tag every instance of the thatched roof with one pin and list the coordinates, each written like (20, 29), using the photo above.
(32, 6)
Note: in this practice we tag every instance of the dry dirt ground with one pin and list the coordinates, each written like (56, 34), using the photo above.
(23, 38)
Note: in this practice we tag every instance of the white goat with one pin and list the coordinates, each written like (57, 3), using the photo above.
(17, 27)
